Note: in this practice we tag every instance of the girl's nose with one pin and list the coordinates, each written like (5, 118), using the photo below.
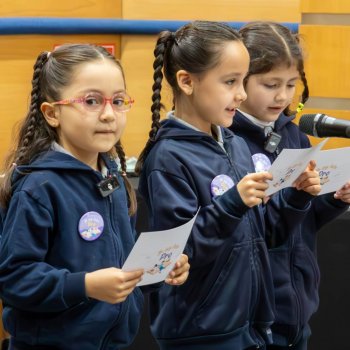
(241, 95)
(107, 114)
(282, 95)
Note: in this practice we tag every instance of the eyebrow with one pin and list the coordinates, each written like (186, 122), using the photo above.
(278, 79)
(233, 74)
(86, 91)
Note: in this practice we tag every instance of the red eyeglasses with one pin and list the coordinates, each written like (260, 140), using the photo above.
(95, 102)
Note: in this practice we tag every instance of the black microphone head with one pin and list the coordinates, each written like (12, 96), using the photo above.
(306, 123)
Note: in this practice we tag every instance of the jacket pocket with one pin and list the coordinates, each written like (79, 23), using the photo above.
(306, 277)
(286, 302)
(228, 298)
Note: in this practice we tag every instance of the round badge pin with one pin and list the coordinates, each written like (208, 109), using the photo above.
(261, 162)
(91, 226)
(220, 184)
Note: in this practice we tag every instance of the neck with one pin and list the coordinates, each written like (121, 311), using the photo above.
(190, 117)
(92, 160)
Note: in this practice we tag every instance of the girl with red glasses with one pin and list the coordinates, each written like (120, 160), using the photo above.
(66, 211)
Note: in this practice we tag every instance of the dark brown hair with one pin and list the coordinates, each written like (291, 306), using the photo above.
(270, 45)
(52, 73)
(195, 47)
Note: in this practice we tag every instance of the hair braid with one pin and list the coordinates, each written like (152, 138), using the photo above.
(32, 121)
(132, 201)
(21, 155)
(305, 94)
(159, 54)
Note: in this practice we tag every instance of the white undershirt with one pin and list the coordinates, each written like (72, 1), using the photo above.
(220, 140)
(58, 148)
(258, 122)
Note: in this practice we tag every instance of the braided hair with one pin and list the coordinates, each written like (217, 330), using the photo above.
(52, 73)
(271, 44)
(195, 47)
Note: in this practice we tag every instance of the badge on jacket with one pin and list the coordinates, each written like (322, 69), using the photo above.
(91, 226)
(220, 184)
(261, 162)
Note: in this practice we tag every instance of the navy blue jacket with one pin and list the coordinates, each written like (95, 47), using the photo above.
(43, 258)
(293, 261)
(227, 301)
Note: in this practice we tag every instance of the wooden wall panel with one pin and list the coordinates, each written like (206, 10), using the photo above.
(228, 10)
(62, 8)
(139, 78)
(327, 61)
(137, 60)
(16, 70)
(326, 31)
(317, 6)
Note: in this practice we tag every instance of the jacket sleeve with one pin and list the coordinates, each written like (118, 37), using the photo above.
(284, 213)
(173, 202)
(326, 208)
(27, 282)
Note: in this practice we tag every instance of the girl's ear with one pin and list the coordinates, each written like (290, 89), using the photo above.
(185, 81)
(48, 111)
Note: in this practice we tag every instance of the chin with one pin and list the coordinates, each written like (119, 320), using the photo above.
(224, 123)
(227, 121)
(270, 117)
(105, 149)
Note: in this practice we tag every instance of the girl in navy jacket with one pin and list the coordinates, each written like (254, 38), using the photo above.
(265, 123)
(191, 161)
(66, 227)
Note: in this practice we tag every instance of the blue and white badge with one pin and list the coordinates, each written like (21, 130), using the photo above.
(220, 184)
(261, 162)
(91, 226)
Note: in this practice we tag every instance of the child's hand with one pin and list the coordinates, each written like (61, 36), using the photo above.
(179, 273)
(111, 285)
(252, 188)
(344, 193)
(309, 181)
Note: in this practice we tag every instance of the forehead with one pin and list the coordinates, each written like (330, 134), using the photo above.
(234, 58)
(232, 61)
(99, 74)
(282, 72)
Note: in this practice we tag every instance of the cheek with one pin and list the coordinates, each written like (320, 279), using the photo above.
(291, 93)
(254, 99)
(121, 123)
(264, 96)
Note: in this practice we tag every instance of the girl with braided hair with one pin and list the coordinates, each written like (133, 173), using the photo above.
(190, 162)
(276, 65)
(66, 210)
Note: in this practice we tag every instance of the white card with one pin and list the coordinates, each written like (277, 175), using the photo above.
(334, 168)
(289, 165)
(157, 252)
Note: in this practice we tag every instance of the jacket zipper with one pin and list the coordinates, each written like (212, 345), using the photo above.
(295, 337)
(252, 247)
(125, 306)
(114, 238)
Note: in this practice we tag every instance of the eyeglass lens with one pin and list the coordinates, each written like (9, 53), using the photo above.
(119, 102)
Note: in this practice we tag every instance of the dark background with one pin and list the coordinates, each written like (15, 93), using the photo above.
(330, 325)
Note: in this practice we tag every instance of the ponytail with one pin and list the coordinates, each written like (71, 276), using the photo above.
(163, 41)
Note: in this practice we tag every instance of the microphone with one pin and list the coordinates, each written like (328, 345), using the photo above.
(321, 125)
